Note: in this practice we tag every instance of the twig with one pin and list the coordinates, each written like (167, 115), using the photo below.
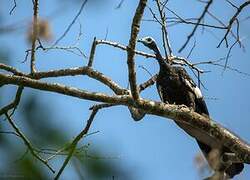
(192, 66)
(178, 19)
(166, 42)
(145, 69)
(71, 49)
(122, 47)
(119, 5)
(80, 137)
(231, 21)
(92, 52)
(27, 143)
(13, 105)
(215, 63)
(9, 132)
(196, 26)
(190, 52)
(13, 8)
(232, 33)
(228, 54)
(71, 24)
(148, 83)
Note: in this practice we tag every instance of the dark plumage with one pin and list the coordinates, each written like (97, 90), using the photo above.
(175, 86)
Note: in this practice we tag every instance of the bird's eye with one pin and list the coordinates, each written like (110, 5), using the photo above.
(149, 39)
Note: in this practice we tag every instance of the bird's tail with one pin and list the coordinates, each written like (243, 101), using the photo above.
(234, 169)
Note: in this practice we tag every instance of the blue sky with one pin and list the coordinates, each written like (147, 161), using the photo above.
(154, 148)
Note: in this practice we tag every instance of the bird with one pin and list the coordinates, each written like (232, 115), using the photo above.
(175, 86)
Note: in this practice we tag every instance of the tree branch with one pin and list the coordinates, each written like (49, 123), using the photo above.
(80, 136)
(231, 21)
(196, 26)
(207, 128)
(34, 37)
(131, 48)
(27, 143)
(14, 104)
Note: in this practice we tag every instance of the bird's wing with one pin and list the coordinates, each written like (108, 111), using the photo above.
(190, 84)
(200, 104)
(159, 88)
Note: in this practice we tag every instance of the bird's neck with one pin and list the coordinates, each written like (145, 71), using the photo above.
(164, 65)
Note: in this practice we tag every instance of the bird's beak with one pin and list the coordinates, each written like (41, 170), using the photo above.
(140, 40)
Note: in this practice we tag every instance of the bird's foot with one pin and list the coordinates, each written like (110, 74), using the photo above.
(182, 106)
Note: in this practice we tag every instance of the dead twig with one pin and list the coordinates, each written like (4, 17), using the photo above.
(80, 136)
(13, 8)
(71, 24)
(196, 26)
(13, 105)
(231, 21)
(27, 143)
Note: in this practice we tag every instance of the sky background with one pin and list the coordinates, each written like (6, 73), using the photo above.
(153, 148)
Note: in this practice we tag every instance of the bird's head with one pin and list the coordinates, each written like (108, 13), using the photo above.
(149, 42)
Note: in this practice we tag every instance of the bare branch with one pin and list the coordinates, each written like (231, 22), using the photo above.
(122, 47)
(215, 63)
(72, 49)
(82, 71)
(192, 66)
(13, 8)
(131, 48)
(92, 52)
(178, 19)
(13, 105)
(34, 37)
(27, 143)
(11, 69)
(196, 26)
(119, 5)
(9, 132)
(80, 136)
(148, 83)
(166, 42)
(231, 21)
(71, 72)
(58, 88)
(177, 113)
(71, 24)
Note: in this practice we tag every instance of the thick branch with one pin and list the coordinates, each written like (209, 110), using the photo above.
(34, 37)
(11, 69)
(82, 71)
(71, 72)
(58, 88)
(131, 47)
(211, 129)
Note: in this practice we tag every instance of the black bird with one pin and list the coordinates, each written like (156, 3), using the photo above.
(175, 86)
